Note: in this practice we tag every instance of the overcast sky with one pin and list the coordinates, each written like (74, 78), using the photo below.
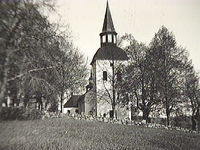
(141, 18)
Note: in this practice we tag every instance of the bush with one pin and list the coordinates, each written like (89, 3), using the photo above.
(53, 107)
(32, 114)
(181, 121)
(19, 113)
(11, 113)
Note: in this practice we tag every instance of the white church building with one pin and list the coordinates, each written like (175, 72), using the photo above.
(101, 97)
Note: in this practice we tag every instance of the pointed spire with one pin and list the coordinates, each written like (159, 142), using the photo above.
(108, 25)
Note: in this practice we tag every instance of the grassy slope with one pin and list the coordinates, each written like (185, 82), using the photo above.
(56, 134)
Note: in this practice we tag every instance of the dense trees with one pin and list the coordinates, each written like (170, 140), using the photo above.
(192, 93)
(71, 72)
(139, 79)
(35, 56)
(170, 64)
(159, 77)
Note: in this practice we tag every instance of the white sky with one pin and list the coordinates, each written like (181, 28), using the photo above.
(141, 18)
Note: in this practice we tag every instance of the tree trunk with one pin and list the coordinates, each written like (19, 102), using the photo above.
(167, 110)
(146, 115)
(26, 99)
(61, 102)
(113, 109)
(2, 93)
(62, 88)
(193, 120)
(168, 117)
(5, 73)
(4, 82)
(193, 123)
(197, 120)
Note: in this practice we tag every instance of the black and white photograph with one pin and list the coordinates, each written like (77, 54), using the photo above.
(99, 74)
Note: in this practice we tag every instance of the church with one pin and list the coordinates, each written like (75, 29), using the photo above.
(101, 97)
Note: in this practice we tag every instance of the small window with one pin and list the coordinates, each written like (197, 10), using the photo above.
(104, 76)
(68, 111)
(76, 111)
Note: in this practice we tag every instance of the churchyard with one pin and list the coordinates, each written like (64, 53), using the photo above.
(72, 133)
(130, 94)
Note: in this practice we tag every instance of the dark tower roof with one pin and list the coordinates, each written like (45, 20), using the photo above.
(110, 52)
(108, 25)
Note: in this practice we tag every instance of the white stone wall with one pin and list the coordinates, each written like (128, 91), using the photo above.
(90, 103)
(72, 110)
(103, 88)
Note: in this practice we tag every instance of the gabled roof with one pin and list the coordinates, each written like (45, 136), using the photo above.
(109, 52)
(108, 25)
(73, 101)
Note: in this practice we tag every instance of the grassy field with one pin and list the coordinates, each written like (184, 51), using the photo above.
(68, 134)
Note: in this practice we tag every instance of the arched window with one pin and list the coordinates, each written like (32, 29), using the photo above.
(105, 76)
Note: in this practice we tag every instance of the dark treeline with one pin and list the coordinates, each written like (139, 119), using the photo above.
(37, 60)
(160, 78)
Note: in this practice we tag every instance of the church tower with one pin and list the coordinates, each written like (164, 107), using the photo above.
(104, 72)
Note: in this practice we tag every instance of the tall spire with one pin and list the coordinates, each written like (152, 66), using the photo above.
(108, 25)
(108, 39)
(108, 34)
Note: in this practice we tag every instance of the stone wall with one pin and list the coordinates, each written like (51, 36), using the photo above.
(90, 103)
